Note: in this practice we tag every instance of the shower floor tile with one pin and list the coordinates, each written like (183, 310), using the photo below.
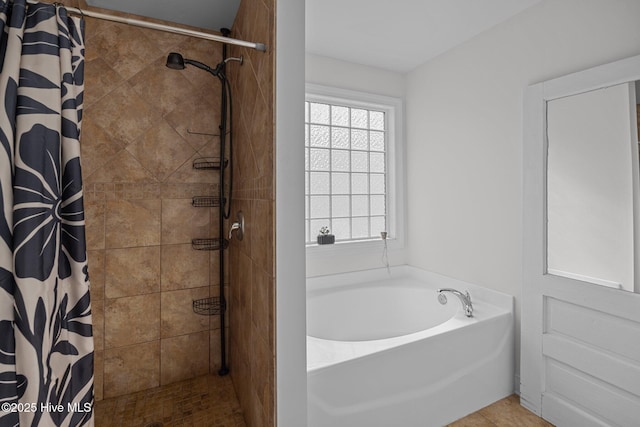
(204, 401)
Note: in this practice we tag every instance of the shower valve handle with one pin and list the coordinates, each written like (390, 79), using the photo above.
(237, 226)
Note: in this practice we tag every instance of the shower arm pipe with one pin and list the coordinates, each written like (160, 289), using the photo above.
(161, 27)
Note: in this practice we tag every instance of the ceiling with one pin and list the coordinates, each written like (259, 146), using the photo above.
(397, 35)
(209, 14)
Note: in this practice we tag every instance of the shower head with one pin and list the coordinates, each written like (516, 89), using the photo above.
(175, 61)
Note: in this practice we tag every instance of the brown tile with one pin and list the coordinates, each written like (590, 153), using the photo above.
(161, 151)
(184, 357)
(187, 174)
(183, 267)
(93, 27)
(194, 117)
(261, 305)
(214, 268)
(131, 369)
(508, 412)
(132, 223)
(132, 271)
(245, 245)
(262, 369)
(182, 222)
(262, 241)
(262, 138)
(125, 49)
(100, 79)
(98, 374)
(97, 320)
(132, 320)
(122, 168)
(96, 146)
(215, 349)
(178, 317)
(245, 168)
(124, 115)
(95, 261)
(163, 87)
(94, 224)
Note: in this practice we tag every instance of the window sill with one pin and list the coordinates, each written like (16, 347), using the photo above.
(356, 246)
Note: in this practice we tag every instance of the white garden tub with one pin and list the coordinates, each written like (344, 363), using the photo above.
(382, 351)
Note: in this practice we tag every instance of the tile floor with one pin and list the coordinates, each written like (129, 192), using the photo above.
(504, 413)
(210, 401)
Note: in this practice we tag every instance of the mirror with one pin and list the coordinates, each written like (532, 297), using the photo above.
(593, 186)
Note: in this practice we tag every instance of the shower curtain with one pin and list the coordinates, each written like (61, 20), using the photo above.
(46, 344)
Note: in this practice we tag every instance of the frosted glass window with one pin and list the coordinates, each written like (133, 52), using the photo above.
(377, 162)
(340, 160)
(320, 206)
(340, 183)
(319, 160)
(320, 136)
(345, 179)
(320, 183)
(377, 205)
(376, 140)
(377, 183)
(342, 228)
(359, 205)
(360, 183)
(340, 206)
(339, 115)
(319, 113)
(359, 118)
(376, 120)
(340, 138)
(359, 161)
(360, 227)
(359, 139)
(378, 225)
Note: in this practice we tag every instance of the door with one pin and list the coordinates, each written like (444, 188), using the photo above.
(580, 334)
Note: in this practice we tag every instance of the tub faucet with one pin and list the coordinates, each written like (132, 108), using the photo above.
(465, 299)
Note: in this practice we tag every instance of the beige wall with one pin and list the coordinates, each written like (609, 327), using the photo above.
(137, 167)
(252, 289)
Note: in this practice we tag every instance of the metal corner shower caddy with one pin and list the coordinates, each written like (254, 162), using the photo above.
(217, 305)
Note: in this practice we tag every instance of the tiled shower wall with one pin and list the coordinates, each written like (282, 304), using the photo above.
(137, 153)
(252, 333)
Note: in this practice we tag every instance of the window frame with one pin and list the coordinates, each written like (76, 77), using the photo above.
(394, 159)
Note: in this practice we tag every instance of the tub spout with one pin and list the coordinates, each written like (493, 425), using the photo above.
(465, 299)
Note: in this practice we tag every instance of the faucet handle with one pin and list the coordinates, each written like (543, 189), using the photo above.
(238, 226)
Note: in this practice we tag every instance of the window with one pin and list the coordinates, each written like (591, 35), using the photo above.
(349, 164)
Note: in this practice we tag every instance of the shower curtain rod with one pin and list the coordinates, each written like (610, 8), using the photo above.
(168, 28)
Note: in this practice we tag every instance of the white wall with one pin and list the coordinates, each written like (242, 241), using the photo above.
(346, 75)
(291, 335)
(464, 133)
(335, 73)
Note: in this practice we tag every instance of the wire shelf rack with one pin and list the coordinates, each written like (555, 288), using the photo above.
(212, 244)
(209, 163)
(205, 202)
(211, 306)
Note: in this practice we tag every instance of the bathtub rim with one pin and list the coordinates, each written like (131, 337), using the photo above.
(436, 280)
(488, 304)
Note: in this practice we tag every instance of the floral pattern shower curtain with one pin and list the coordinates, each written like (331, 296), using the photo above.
(46, 345)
